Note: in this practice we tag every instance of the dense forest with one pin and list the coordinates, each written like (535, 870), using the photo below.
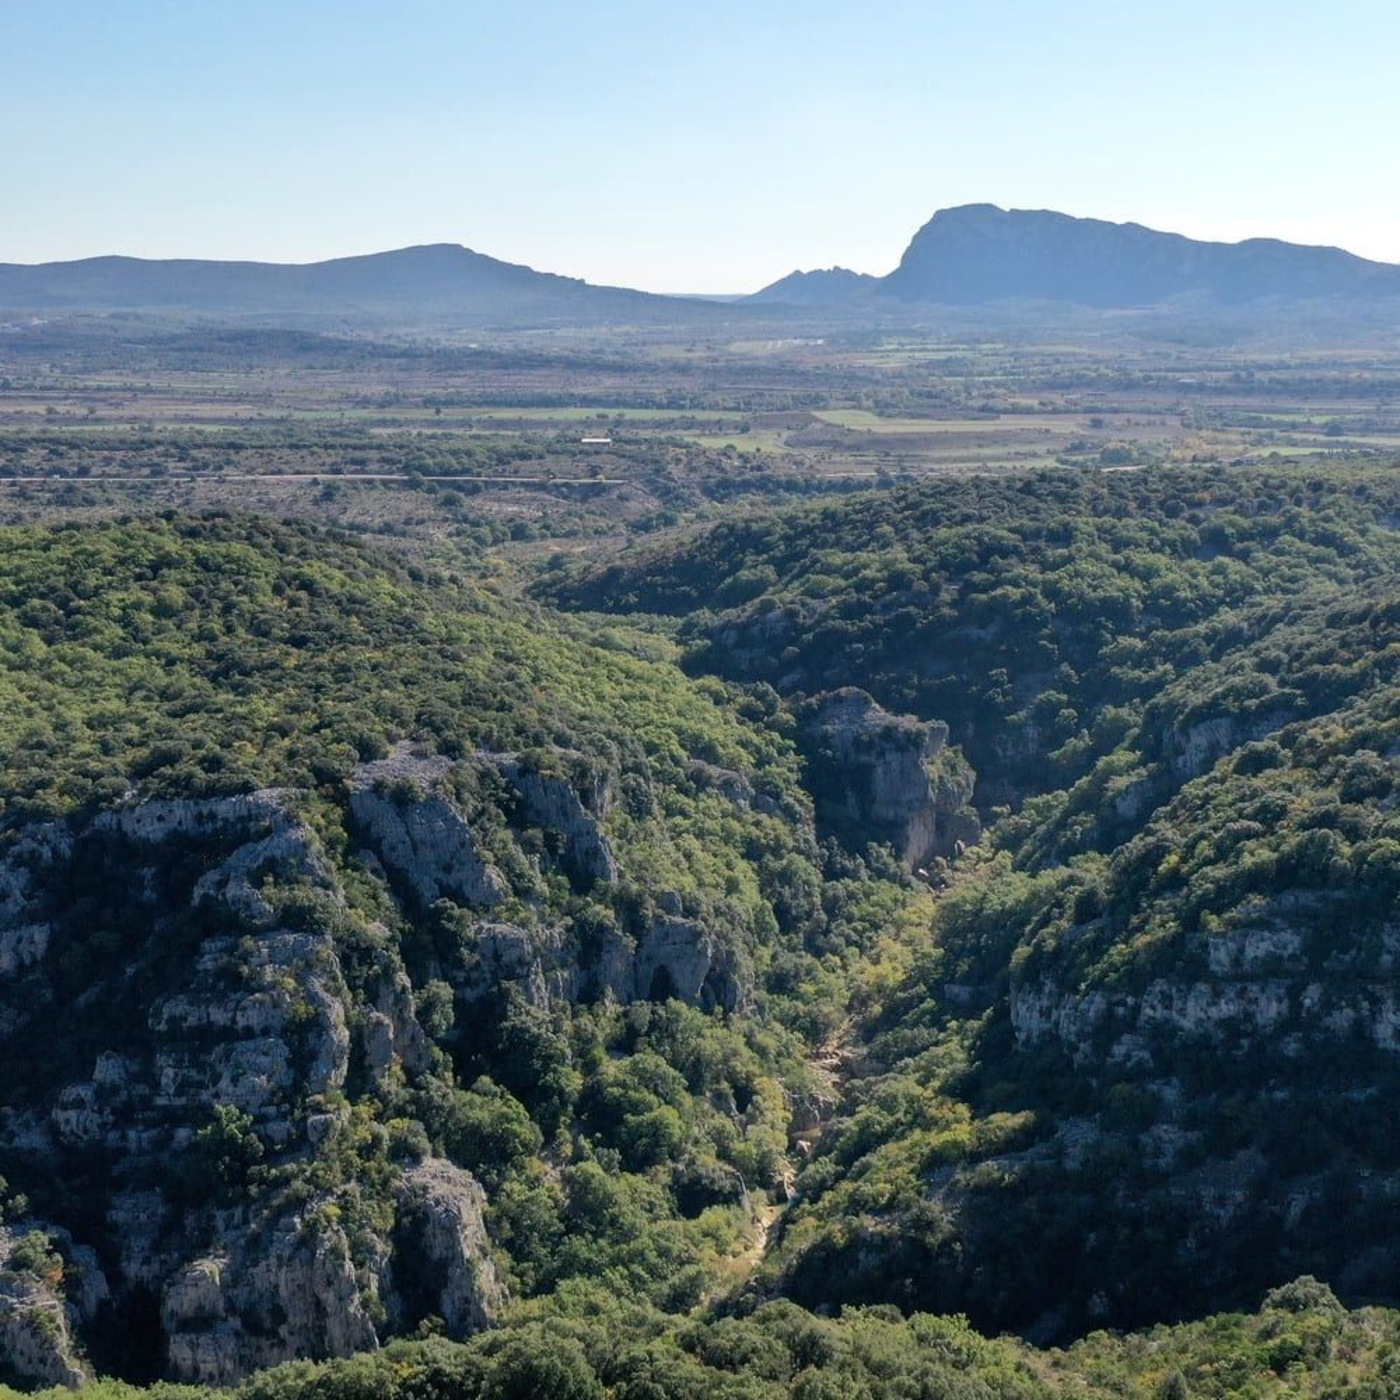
(1174, 945)
(584, 1344)
(577, 942)
(775, 959)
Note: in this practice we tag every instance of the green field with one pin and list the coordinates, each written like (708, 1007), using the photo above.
(860, 418)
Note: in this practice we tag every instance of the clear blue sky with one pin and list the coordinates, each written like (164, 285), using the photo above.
(706, 146)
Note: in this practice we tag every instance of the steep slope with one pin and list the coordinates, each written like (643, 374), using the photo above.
(438, 284)
(374, 952)
(980, 253)
(1152, 1081)
(1141, 1070)
(1026, 614)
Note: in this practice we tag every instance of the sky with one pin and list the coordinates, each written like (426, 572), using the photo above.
(701, 147)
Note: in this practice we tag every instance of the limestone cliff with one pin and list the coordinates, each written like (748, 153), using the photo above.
(879, 777)
(219, 996)
(49, 1288)
(224, 1001)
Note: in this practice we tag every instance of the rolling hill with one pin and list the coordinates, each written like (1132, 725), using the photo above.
(435, 284)
(830, 286)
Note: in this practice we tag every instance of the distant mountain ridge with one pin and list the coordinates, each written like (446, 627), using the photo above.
(979, 253)
(431, 283)
(970, 256)
(982, 253)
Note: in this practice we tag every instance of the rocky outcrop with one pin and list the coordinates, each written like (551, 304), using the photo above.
(254, 1021)
(419, 833)
(234, 883)
(212, 998)
(1191, 748)
(155, 822)
(1252, 986)
(734, 787)
(678, 957)
(569, 812)
(878, 777)
(224, 998)
(407, 813)
(443, 1266)
(289, 1289)
(30, 850)
(390, 1033)
(673, 957)
(291, 989)
(22, 946)
(491, 955)
(36, 1339)
(49, 1287)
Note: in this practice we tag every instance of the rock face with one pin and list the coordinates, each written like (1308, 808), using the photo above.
(673, 957)
(1191, 749)
(1253, 988)
(445, 1250)
(228, 997)
(415, 828)
(291, 1290)
(419, 833)
(48, 1289)
(678, 958)
(213, 976)
(405, 807)
(557, 806)
(879, 777)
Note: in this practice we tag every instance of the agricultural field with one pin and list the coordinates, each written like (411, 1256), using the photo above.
(531, 417)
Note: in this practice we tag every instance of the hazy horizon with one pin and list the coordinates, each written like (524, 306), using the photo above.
(505, 257)
(680, 152)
